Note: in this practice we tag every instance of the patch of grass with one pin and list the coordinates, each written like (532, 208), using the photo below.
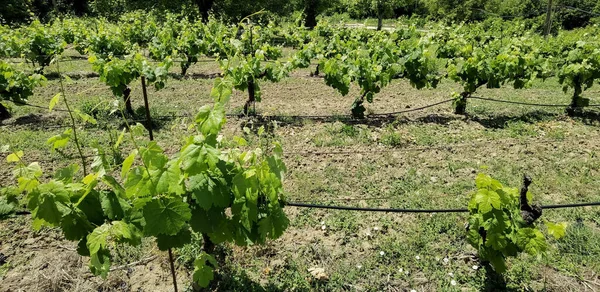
(4, 269)
(123, 254)
(392, 138)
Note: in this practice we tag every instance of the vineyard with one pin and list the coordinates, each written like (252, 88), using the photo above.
(158, 153)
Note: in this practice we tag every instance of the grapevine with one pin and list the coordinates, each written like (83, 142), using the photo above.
(16, 86)
(502, 223)
(162, 197)
(119, 73)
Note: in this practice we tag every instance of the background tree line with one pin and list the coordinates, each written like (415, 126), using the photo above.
(568, 13)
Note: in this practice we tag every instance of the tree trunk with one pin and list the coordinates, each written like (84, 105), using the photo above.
(208, 246)
(576, 102)
(310, 13)
(379, 14)
(127, 99)
(251, 97)
(460, 105)
(204, 7)
(358, 109)
(185, 66)
(4, 113)
(80, 7)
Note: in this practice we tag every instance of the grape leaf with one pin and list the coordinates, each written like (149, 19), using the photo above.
(14, 157)
(487, 200)
(203, 269)
(178, 240)
(127, 163)
(557, 230)
(61, 140)
(210, 191)
(213, 222)
(273, 225)
(75, 225)
(54, 101)
(166, 216)
(66, 174)
(170, 180)
(100, 263)
(531, 241)
(114, 206)
(210, 119)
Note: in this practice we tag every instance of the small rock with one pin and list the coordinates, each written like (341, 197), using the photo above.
(318, 273)
(277, 264)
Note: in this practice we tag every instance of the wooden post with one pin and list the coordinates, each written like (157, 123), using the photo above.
(548, 19)
(148, 118)
(379, 14)
(173, 270)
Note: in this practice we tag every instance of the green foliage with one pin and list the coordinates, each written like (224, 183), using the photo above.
(496, 228)
(105, 41)
(203, 269)
(16, 85)
(230, 195)
(579, 69)
(179, 38)
(370, 59)
(119, 73)
(43, 45)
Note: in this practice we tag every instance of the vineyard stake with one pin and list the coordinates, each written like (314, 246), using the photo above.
(172, 270)
(149, 126)
(147, 107)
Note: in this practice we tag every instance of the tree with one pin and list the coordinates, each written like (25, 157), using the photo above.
(310, 13)
(379, 9)
(204, 7)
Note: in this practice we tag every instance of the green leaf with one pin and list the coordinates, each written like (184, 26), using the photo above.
(170, 180)
(203, 269)
(114, 185)
(54, 101)
(47, 209)
(557, 230)
(67, 174)
(178, 240)
(75, 225)
(86, 118)
(198, 157)
(498, 263)
(274, 225)
(221, 91)
(124, 232)
(14, 157)
(92, 207)
(210, 191)
(213, 222)
(485, 181)
(61, 140)
(487, 200)
(98, 239)
(138, 130)
(166, 216)
(127, 163)
(114, 206)
(100, 263)
(6, 208)
(210, 119)
(531, 240)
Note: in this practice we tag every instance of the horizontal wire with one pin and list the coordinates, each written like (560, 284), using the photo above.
(530, 104)
(399, 210)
